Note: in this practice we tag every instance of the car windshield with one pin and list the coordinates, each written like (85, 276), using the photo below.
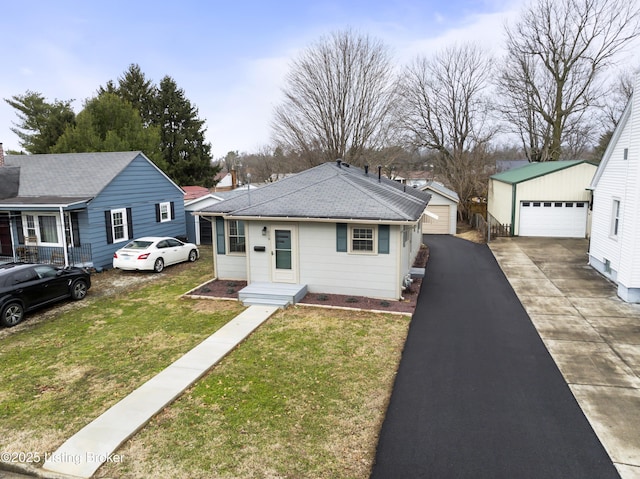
(138, 244)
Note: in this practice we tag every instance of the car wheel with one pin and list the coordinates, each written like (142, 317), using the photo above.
(158, 266)
(12, 314)
(79, 289)
(193, 255)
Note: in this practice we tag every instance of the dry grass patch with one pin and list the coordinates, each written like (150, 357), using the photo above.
(304, 396)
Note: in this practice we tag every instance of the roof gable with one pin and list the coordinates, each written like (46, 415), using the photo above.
(534, 170)
(622, 124)
(442, 190)
(329, 191)
(71, 175)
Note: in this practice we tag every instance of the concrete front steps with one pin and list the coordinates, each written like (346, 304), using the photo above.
(272, 294)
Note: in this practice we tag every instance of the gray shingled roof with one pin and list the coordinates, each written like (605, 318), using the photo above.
(329, 192)
(443, 190)
(69, 175)
(9, 182)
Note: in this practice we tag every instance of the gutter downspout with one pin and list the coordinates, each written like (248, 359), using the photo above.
(14, 238)
(513, 209)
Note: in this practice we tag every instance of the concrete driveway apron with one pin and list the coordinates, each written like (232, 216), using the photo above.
(593, 336)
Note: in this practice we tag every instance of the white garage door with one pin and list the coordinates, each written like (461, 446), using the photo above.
(552, 218)
(439, 226)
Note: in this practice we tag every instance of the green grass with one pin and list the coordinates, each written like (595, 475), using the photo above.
(304, 396)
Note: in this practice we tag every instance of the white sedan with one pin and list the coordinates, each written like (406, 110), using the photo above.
(154, 253)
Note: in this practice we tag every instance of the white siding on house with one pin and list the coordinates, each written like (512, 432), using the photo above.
(499, 201)
(324, 270)
(259, 261)
(231, 266)
(321, 267)
(617, 256)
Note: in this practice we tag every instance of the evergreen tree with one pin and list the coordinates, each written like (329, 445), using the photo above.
(187, 155)
(41, 122)
(134, 87)
(108, 123)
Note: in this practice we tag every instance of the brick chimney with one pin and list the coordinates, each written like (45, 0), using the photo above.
(1, 155)
(234, 179)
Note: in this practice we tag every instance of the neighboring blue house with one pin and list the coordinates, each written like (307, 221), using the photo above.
(79, 208)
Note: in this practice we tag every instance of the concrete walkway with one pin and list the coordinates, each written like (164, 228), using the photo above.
(592, 335)
(87, 450)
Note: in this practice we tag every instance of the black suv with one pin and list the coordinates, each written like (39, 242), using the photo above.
(24, 287)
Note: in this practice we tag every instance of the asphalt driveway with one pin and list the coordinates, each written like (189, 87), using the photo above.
(477, 394)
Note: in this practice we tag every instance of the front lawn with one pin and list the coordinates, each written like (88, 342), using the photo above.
(304, 396)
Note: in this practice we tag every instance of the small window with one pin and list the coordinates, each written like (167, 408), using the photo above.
(615, 218)
(579, 205)
(236, 237)
(526, 203)
(569, 205)
(547, 205)
(41, 229)
(363, 239)
(119, 225)
(558, 205)
(31, 226)
(536, 203)
(165, 212)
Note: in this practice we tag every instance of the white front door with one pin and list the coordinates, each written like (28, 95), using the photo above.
(284, 254)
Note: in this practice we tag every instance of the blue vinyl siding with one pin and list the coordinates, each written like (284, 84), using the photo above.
(140, 186)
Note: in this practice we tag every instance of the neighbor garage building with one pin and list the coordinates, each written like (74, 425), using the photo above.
(543, 199)
(444, 205)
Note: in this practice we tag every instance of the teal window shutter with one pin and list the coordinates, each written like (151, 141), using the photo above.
(341, 237)
(383, 239)
(220, 235)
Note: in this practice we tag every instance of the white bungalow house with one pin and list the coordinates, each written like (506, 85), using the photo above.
(615, 227)
(333, 229)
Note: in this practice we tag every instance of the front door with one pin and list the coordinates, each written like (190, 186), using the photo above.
(284, 261)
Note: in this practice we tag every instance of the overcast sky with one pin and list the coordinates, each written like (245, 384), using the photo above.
(230, 57)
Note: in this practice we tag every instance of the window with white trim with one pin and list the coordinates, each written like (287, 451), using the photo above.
(362, 239)
(165, 212)
(236, 236)
(615, 218)
(42, 229)
(119, 225)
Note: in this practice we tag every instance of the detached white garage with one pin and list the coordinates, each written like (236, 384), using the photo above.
(543, 199)
(444, 206)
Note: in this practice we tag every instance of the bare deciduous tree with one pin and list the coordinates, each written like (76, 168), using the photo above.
(444, 107)
(550, 81)
(337, 99)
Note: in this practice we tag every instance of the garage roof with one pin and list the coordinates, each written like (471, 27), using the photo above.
(534, 170)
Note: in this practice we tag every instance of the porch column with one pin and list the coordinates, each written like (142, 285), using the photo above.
(65, 252)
